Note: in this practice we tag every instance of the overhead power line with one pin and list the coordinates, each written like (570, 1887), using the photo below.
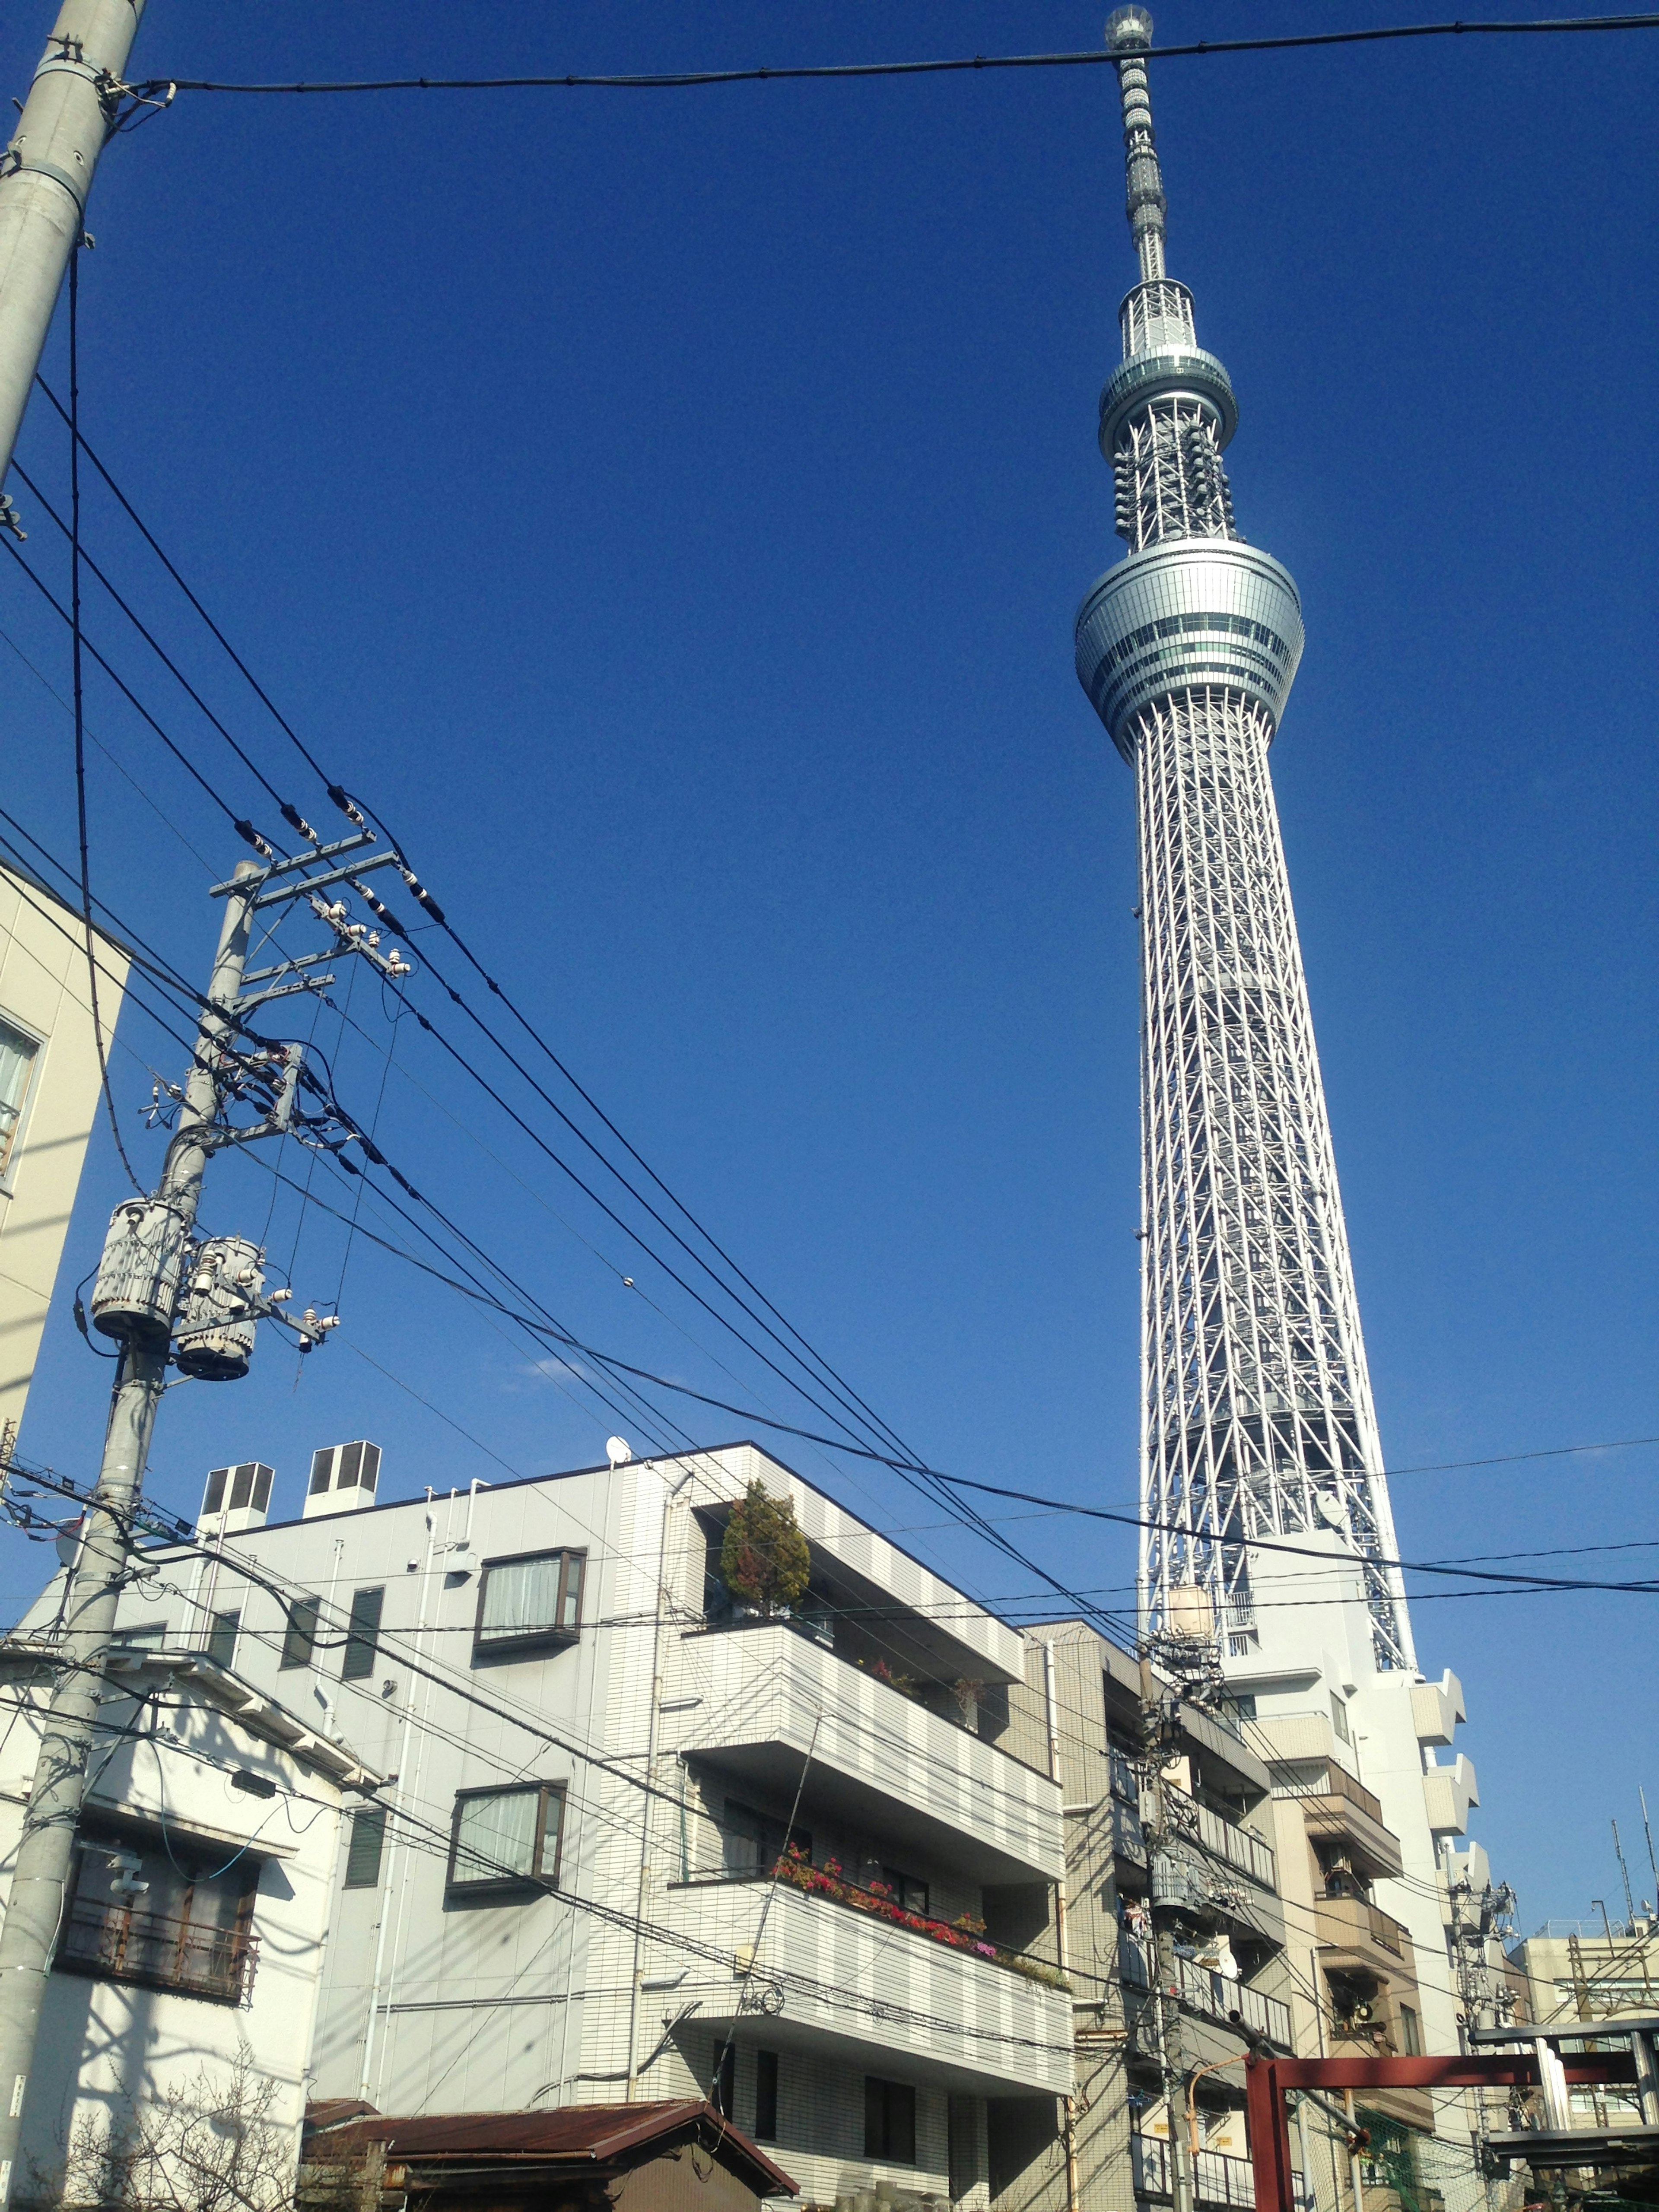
(691, 80)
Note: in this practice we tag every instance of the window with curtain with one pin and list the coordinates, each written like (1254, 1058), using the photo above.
(529, 1603)
(17, 1054)
(507, 1839)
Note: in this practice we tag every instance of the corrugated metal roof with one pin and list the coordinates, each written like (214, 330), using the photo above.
(580, 2135)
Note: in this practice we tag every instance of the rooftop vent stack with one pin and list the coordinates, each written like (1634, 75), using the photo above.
(342, 1478)
(236, 1498)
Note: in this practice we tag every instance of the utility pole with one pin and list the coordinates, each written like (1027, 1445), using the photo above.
(46, 174)
(1162, 1886)
(166, 1298)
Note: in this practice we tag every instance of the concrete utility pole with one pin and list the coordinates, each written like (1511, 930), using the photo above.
(29, 1933)
(165, 1297)
(1171, 2042)
(46, 174)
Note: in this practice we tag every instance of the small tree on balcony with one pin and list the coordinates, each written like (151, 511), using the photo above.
(764, 1560)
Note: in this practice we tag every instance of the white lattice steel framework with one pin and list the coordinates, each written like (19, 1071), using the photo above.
(1256, 1416)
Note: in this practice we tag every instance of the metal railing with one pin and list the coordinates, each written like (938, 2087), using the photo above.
(1238, 1847)
(1219, 2178)
(1215, 1996)
(112, 1942)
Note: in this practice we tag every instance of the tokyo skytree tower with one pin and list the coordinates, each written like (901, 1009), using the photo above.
(1256, 1414)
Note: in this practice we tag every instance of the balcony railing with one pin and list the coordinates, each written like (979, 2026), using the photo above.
(1238, 1847)
(1215, 1996)
(1336, 1782)
(115, 1944)
(878, 1902)
(1218, 2177)
(1223, 1838)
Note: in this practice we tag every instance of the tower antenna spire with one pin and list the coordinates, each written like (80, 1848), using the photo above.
(1128, 34)
(1256, 1412)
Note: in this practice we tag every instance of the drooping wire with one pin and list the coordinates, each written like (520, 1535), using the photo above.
(79, 715)
(822, 1374)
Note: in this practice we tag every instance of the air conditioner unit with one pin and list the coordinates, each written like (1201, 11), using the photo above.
(236, 1498)
(342, 1478)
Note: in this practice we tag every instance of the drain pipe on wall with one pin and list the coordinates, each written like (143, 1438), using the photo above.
(399, 1852)
(1062, 1936)
(669, 1497)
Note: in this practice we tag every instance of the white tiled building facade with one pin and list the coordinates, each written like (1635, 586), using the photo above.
(559, 1898)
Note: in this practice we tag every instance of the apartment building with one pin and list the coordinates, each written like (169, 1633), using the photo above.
(1080, 1708)
(179, 2016)
(49, 1100)
(1599, 1969)
(596, 1758)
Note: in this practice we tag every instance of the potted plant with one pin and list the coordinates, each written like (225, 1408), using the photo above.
(764, 1559)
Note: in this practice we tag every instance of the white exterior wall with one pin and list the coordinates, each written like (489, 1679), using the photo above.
(491, 2005)
(44, 994)
(107, 2046)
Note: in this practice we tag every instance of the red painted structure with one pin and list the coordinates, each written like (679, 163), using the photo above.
(1266, 2080)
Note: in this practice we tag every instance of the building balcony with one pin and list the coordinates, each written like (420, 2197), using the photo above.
(114, 1943)
(1217, 2177)
(756, 1701)
(1336, 1809)
(1212, 1996)
(809, 1975)
(1356, 1936)
(1449, 1792)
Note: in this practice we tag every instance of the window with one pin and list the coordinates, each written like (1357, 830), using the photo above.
(506, 1840)
(16, 1066)
(527, 1604)
(889, 2121)
(752, 1843)
(360, 1646)
(1340, 1719)
(147, 1635)
(1410, 2035)
(222, 1637)
(186, 1929)
(300, 1637)
(765, 2096)
(362, 1870)
(908, 1894)
(725, 2079)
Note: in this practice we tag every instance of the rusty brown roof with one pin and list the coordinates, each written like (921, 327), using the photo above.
(574, 2134)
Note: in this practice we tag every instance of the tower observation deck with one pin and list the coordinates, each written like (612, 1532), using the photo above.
(1256, 1413)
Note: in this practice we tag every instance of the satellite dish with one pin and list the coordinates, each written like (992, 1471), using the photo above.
(68, 1539)
(1331, 1513)
(618, 1450)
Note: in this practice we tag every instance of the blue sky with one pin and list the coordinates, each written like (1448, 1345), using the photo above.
(672, 507)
